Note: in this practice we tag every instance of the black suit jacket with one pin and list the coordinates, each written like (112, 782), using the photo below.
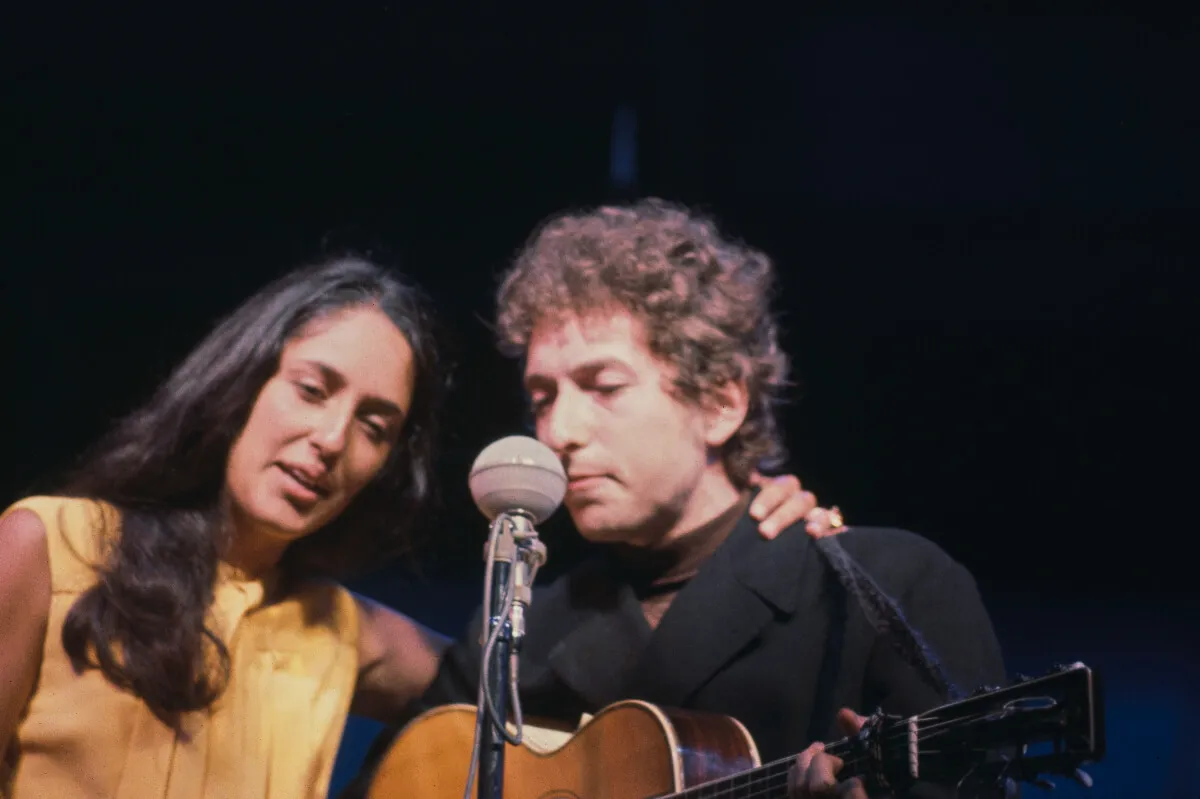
(765, 633)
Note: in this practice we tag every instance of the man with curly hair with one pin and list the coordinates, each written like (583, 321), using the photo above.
(653, 368)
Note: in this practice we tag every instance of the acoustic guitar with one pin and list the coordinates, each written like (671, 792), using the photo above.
(1050, 725)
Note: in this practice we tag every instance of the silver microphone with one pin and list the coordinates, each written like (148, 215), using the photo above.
(516, 482)
(518, 475)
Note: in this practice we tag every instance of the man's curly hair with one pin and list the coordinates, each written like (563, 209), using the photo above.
(703, 299)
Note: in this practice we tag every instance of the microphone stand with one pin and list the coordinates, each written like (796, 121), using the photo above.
(514, 554)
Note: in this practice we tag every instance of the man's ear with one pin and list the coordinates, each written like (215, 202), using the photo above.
(725, 411)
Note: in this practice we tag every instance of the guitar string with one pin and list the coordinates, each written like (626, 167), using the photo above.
(768, 779)
(762, 785)
(894, 733)
(771, 773)
(773, 783)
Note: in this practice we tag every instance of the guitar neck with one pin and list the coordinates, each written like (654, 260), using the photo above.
(963, 740)
(770, 781)
(765, 782)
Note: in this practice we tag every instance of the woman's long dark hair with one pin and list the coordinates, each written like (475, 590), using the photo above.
(144, 622)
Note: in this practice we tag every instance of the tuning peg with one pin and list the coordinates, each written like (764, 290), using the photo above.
(1042, 783)
(1082, 778)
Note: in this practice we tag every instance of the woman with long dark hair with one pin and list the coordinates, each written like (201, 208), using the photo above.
(170, 621)
(172, 610)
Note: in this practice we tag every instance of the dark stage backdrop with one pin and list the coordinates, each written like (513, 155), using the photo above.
(983, 227)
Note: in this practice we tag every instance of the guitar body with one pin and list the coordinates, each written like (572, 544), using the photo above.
(629, 750)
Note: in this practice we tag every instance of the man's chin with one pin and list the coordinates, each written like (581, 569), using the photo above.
(597, 526)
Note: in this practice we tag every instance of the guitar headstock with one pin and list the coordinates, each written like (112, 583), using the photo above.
(1033, 729)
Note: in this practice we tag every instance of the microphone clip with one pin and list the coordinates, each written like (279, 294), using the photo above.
(515, 541)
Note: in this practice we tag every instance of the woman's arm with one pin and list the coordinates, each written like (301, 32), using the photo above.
(24, 609)
(398, 660)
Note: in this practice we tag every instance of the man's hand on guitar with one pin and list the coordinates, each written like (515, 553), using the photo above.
(814, 774)
(782, 501)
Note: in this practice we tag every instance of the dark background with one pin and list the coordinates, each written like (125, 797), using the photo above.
(984, 226)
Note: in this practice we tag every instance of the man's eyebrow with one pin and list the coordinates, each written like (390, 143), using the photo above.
(586, 369)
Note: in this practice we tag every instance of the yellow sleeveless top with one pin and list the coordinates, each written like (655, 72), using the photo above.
(273, 733)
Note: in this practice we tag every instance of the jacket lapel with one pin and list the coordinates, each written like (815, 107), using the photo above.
(746, 584)
(605, 641)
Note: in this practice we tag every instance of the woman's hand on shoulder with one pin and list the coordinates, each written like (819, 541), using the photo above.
(782, 501)
(24, 609)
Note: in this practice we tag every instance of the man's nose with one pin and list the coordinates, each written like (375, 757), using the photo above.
(567, 424)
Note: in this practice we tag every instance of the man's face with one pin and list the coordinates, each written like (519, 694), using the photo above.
(634, 454)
